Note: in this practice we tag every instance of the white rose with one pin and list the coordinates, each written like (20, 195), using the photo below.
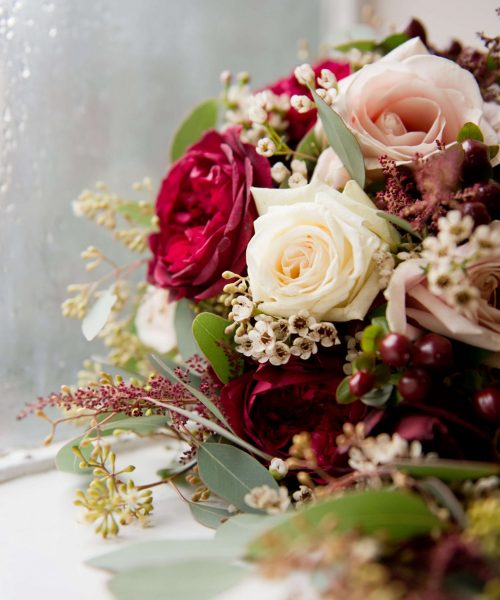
(154, 321)
(402, 105)
(313, 250)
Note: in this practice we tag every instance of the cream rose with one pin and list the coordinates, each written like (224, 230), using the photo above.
(314, 249)
(402, 105)
(155, 321)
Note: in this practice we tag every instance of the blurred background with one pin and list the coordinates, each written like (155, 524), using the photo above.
(93, 91)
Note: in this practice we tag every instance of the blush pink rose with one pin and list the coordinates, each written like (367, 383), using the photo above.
(401, 105)
(409, 299)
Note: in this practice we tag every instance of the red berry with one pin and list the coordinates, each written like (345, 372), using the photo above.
(433, 351)
(476, 166)
(414, 385)
(478, 212)
(395, 349)
(487, 403)
(488, 193)
(361, 383)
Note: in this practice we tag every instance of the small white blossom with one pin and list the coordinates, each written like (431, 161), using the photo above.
(244, 345)
(465, 298)
(327, 79)
(268, 499)
(225, 77)
(278, 468)
(258, 115)
(304, 74)
(455, 227)
(324, 333)
(265, 100)
(385, 266)
(297, 180)
(301, 323)
(299, 166)
(266, 147)
(282, 103)
(437, 249)
(279, 354)
(279, 172)
(302, 104)
(302, 496)
(280, 328)
(303, 347)
(242, 308)
(353, 351)
(262, 336)
(323, 94)
(486, 240)
(443, 278)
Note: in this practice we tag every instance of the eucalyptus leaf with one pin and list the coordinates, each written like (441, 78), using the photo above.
(200, 120)
(67, 461)
(231, 473)
(343, 393)
(136, 212)
(208, 515)
(308, 148)
(470, 131)
(363, 45)
(447, 470)
(163, 552)
(202, 579)
(396, 515)
(393, 41)
(401, 223)
(217, 346)
(341, 140)
(183, 322)
(240, 530)
(442, 493)
(98, 315)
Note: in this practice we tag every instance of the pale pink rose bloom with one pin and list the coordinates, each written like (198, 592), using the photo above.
(154, 321)
(409, 298)
(402, 105)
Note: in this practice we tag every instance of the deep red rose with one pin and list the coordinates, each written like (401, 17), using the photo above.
(300, 123)
(269, 405)
(206, 215)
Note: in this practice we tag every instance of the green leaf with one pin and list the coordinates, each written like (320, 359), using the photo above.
(343, 394)
(378, 397)
(396, 515)
(183, 322)
(447, 470)
(217, 346)
(470, 131)
(493, 151)
(189, 580)
(163, 552)
(67, 461)
(207, 515)
(393, 41)
(372, 334)
(363, 362)
(136, 212)
(401, 223)
(98, 315)
(240, 530)
(445, 497)
(231, 473)
(201, 119)
(308, 146)
(341, 140)
(363, 45)
(169, 372)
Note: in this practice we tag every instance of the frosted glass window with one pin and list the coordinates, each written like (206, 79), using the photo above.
(89, 91)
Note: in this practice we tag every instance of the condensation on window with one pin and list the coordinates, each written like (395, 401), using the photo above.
(93, 91)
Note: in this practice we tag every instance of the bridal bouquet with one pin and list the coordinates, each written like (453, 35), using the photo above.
(318, 339)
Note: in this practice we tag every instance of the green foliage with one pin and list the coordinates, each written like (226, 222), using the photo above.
(372, 334)
(98, 315)
(68, 462)
(341, 140)
(448, 470)
(309, 146)
(396, 515)
(362, 45)
(470, 131)
(231, 473)
(187, 580)
(183, 322)
(137, 213)
(201, 119)
(392, 41)
(378, 397)
(208, 515)
(343, 394)
(401, 223)
(217, 346)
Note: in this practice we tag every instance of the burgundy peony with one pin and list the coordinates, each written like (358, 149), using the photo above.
(270, 405)
(300, 123)
(206, 215)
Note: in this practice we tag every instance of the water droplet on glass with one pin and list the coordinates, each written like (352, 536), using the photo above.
(11, 21)
(52, 32)
(9, 35)
(25, 73)
(7, 115)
